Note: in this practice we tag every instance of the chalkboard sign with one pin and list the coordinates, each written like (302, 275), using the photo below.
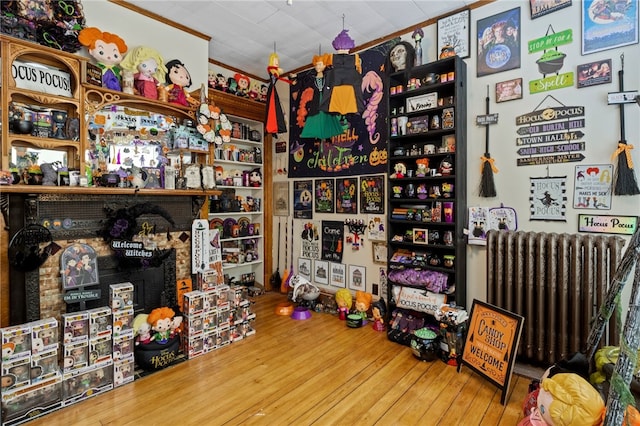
(492, 339)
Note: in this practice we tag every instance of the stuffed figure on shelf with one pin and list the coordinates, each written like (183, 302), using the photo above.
(108, 50)
(179, 79)
(149, 70)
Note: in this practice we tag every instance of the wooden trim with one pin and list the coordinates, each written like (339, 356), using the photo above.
(230, 68)
(99, 190)
(162, 19)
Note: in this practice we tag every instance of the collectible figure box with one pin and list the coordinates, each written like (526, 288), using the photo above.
(235, 333)
(123, 370)
(44, 335)
(224, 317)
(121, 295)
(123, 322)
(210, 338)
(122, 347)
(240, 295)
(75, 356)
(193, 303)
(100, 350)
(224, 337)
(87, 382)
(210, 320)
(16, 341)
(210, 300)
(24, 404)
(193, 346)
(44, 365)
(246, 328)
(75, 327)
(100, 322)
(223, 297)
(209, 280)
(194, 324)
(16, 373)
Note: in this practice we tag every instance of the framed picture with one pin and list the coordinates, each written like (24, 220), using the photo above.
(455, 30)
(509, 90)
(379, 252)
(303, 199)
(544, 7)
(281, 198)
(357, 277)
(325, 195)
(347, 195)
(304, 267)
(498, 43)
(604, 28)
(321, 271)
(372, 194)
(338, 275)
(594, 73)
(420, 236)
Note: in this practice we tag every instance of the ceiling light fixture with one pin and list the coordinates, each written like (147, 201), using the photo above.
(290, 2)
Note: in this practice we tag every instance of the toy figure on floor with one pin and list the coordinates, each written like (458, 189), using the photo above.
(363, 303)
(318, 124)
(149, 71)
(161, 320)
(344, 301)
(180, 79)
(343, 92)
(274, 122)
(378, 311)
(108, 50)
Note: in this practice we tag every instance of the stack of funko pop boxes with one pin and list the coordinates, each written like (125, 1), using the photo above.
(215, 315)
(121, 302)
(31, 379)
(87, 366)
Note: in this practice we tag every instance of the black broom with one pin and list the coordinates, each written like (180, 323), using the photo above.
(624, 178)
(487, 186)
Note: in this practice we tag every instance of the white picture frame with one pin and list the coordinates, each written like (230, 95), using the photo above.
(357, 277)
(338, 275)
(422, 102)
(304, 268)
(321, 271)
(455, 30)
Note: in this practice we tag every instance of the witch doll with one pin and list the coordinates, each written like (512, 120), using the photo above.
(274, 122)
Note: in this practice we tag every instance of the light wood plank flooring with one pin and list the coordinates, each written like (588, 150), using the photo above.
(315, 371)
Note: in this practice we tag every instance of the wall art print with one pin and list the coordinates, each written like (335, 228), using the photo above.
(455, 30)
(325, 195)
(321, 271)
(310, 240)
(78, 266)
(304, 268)
(548, 198)
(347, 195)
(338, 275)
(592, 187)
(543, 7)
(608, 24)
(332, 240)
(594, 73)
(362, 148)
(498, 39)
(303, 199)
(372, 194)
(357, 277)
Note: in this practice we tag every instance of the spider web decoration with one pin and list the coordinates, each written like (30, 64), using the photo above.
(548, 198)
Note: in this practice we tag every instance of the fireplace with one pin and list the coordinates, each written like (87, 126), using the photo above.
(153, 286)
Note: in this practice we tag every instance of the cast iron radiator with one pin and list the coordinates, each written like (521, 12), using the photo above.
(557, 282)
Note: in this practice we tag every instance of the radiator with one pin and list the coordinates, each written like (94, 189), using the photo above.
(557, 282)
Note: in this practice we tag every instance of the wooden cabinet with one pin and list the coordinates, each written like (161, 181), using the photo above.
(427, 185)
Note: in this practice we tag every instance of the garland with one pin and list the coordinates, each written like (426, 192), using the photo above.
(122, 224)
(51, 23)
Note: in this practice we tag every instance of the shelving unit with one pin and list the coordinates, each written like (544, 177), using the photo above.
(238, 211)
(427, 185)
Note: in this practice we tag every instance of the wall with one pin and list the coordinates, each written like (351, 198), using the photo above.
(140, 30)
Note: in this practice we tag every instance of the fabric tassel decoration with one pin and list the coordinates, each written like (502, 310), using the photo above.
(624, 178)
(488, 168)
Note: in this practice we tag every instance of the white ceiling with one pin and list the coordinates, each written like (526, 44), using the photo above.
(243, 32)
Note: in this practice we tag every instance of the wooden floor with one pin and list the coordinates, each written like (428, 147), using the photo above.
(315, 371)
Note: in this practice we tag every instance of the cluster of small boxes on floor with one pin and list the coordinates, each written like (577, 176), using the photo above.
(39, 375)
(215, 315)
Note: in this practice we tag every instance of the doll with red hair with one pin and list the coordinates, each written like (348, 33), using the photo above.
(161, 320)
(108, 50)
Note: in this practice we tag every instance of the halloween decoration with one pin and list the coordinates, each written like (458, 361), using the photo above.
(624, 177)
(108, 50)
(344, 301)
(25, 253)
(287, 283)
(149, 70)
(275, 277)
(401, 57)
(285, 277)
(318, 124)
(487, 185)
(179, 79)
(274, 122)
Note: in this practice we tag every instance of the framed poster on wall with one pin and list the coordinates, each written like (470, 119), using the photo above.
(455, 30)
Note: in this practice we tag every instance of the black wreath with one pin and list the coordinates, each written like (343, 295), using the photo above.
(59, 32)
(122, 224)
